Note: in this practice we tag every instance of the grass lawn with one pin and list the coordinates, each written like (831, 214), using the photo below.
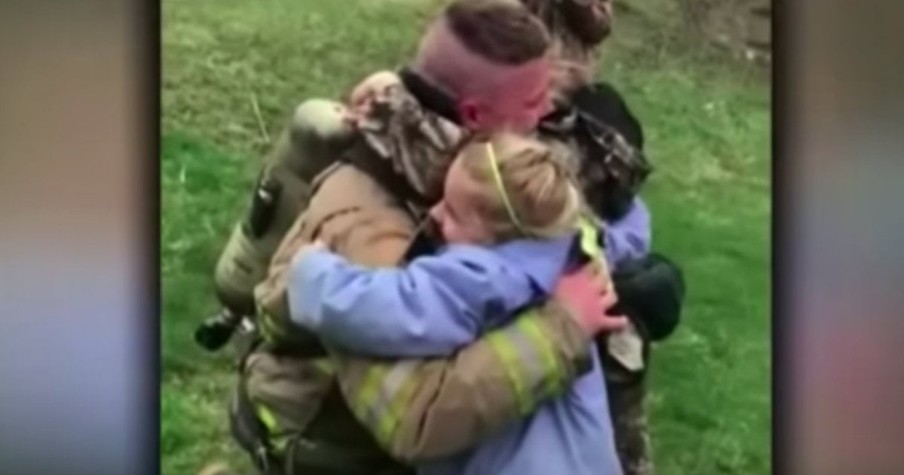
(708, 128)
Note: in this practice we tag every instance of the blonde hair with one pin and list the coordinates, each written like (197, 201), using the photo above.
(528, 189)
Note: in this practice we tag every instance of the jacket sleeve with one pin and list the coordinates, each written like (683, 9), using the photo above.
(629, 237)
(424, 408)
(589, 20)
(431, 307)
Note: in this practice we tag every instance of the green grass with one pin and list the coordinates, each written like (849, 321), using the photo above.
(708, 128)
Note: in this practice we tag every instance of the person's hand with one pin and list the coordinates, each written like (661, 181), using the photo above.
(584, 293)
(366, 91)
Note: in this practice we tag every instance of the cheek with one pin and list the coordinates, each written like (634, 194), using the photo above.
(489, 119)
(541, 109)
(546, 106)
(445, 225)
(525, 114)
(451, 232)
(436, 214)
(456, 232)
(471, 231)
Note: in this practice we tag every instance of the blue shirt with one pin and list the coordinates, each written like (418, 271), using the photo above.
(629, 237)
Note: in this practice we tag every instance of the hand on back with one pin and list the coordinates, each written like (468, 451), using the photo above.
(359, 99)
(585, 294)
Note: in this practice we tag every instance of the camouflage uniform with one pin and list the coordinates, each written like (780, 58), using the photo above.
(629, 417)
(578, 27)
(318, 410)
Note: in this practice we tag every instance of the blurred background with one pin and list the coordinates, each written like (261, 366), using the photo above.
(79, 174)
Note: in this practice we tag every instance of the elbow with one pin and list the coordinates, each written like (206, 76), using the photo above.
(449, 424)
(420, 447)
(405, 454)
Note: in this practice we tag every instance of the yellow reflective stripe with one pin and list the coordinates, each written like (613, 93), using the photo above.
(510, 361)
(552, 371)
(266, 332)
(366, 399)
(371, 384)
(394, 379)
(529, 360)
(279, 443)
(400, 401)
(269, 328)
(384, 395)
(277, 440)
(590, 239)
(378, 407)
(325, 365)
(591, 247)
(538, 371)
(267, 417)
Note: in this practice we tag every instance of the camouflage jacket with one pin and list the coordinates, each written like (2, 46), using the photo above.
(577, 28)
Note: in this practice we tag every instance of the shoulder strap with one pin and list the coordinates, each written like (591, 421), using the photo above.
(362, 158)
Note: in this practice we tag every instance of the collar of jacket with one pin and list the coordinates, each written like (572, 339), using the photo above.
(429, 96)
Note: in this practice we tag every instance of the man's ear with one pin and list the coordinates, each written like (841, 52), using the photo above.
(469, 112)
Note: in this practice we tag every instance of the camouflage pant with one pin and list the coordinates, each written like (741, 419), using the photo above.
(629, 419)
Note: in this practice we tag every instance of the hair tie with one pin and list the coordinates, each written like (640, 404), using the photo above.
(500, 186)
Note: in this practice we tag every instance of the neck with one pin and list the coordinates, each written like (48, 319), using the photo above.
(430, 96)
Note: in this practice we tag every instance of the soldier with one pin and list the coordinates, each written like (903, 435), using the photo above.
(577, 28)
(303, 408)
(612, 176)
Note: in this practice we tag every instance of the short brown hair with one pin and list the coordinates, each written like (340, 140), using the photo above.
(502, 31)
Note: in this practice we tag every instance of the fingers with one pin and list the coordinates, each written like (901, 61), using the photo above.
(604, 323)
(609, 323)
